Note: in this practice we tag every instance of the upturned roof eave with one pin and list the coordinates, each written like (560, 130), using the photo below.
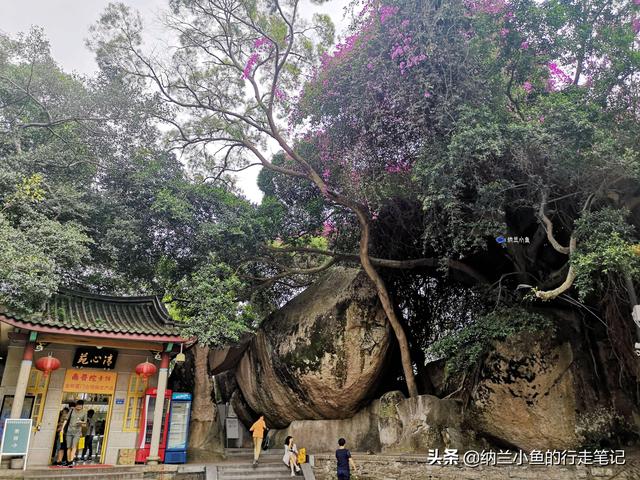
(94, 333)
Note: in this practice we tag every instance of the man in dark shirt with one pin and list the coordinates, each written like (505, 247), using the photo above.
(345, 462)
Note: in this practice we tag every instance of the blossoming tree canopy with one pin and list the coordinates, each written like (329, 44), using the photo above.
(432, 128)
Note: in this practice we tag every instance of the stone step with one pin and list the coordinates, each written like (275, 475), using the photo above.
(262, 467)
(266, 460)
(60, 474)
(256, 476)
(246, 471)
(78, 473)
(249, 451)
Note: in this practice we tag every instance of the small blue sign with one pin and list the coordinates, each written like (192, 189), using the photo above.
(119, 401)
(181, 396)
(15, 438)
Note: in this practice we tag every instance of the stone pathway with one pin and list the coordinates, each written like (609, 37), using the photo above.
(238, 466)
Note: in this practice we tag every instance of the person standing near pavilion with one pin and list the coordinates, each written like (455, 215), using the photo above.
(258, 429)
(77, 420)
(60, 445)
(90, 431)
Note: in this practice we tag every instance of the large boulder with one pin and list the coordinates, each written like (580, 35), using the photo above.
(321, 355)
(224, 359)
(526, 394)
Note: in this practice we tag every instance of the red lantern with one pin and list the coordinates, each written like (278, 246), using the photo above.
(47, 364)
(146, 369)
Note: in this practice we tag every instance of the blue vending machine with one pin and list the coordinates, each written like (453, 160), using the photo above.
(178, 436)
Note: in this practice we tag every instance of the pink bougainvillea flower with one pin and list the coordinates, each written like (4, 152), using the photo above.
(251, 62)
(280, 95)
(524, 45)
(504, 32)
(328, 227)
(326, 173)
(387, 11)
(636, 23)
(557, 77)
(397, 51)
(402, 166)
(527, 86)
(491, 7)
(541, 118)
(427, 94)
(261, 42)
(551, 85)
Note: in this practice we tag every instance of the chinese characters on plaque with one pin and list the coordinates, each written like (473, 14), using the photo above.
(88, 381)
(91, 357)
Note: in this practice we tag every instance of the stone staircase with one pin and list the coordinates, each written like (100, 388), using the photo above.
(239, 466)
(120, 473)
(117, 472)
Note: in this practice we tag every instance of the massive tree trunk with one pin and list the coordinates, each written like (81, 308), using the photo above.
(387, 304)
(205, 438)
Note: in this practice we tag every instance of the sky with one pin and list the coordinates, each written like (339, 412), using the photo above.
(66, 24)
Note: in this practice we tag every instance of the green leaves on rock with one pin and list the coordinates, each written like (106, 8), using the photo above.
(465, 348)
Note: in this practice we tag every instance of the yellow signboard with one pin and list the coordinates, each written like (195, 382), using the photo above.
(89, 381)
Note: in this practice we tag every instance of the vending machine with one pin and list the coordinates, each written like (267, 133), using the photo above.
(176, 451)
(146, 425)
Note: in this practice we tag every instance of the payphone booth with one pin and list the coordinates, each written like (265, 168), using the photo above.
(176, 451)
(146, 425)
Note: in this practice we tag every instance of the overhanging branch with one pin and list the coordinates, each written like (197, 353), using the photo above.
(387, 263)
(549, 227)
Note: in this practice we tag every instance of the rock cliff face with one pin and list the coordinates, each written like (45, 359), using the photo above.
(320, 356)
(315, 365)
(419, 423)
(392, 424)
(322, 435)
(526, 396)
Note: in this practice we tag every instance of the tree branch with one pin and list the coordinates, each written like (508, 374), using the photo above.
(564, 286)
(549, 227)
(387, 263)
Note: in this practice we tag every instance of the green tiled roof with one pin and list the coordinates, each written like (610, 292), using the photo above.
(100, 313)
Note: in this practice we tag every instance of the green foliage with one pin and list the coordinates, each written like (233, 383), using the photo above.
(208, 303)
(29, 190)
(36, 255)
(96, 202)
(465, 348)
(605, 250)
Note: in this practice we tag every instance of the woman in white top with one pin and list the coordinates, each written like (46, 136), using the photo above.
(290, 457)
